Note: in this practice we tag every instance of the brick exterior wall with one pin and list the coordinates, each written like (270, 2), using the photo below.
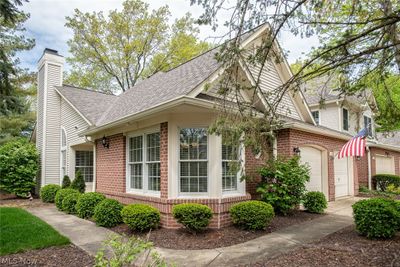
(361, 169)
(251, 166)
(287, 139)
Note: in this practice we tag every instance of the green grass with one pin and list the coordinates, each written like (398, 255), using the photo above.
(21, 231)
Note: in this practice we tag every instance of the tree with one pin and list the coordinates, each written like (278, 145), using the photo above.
(114, 52)
(357, 39)
(16, 84)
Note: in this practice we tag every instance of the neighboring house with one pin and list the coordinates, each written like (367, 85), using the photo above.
(150, 144)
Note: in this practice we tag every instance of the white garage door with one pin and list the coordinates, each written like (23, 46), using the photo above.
(313, 157)
(384, 165)
(342, 170)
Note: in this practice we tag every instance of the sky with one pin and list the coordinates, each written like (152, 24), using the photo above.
(47, 26)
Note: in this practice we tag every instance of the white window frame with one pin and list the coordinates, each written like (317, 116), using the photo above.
(193, 194)
(319, 116)
(63, 149)
(145, 177)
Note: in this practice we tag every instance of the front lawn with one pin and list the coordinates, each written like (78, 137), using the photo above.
(21, 231)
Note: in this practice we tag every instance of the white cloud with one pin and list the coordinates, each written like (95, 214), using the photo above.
(47, 25)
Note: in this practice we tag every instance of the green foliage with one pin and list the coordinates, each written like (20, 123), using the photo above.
(381, 181)
(127, 252)
(252, 215)
(193, 216)
(61, 194)
(48, 192)
(18, 167)
(140, 217)
(284, 183)
(79, 183)
(377, 217)
(392, 189)
(315, 202)
(141, 39)
(66, 182)
(21, 231)
(108, 213)
(69, 202)
(86, 204)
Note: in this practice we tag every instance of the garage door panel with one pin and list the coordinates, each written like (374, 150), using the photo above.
(384, 165)
(313, 158)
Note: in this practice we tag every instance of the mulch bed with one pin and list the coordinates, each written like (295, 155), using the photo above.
(23, 203)
(343, 248)
(213, 238)
(371, 195)
(69, 255)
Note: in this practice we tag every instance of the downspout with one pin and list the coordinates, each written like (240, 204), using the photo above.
(275, 148)
(369, 168)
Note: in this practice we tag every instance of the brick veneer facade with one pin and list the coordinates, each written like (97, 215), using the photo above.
(111, 181)
(383, 152)
(288, 139)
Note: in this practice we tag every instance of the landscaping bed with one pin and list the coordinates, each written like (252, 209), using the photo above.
(68, 255)
(343, 248)
(23, 203)
(376, 194)
(214, 238)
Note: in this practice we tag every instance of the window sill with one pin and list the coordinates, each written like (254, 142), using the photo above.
(233, 194)
(146, 194)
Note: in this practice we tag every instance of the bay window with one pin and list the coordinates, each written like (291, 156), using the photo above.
(193, 160)
(230, 168)
(144, 162)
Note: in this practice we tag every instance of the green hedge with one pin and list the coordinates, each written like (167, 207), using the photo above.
(66, 182)
(377, 217)
(381, 181)
(194, 217)
(69, 202)
(79, 182)
(252, 215)
(61, 194)
(48, 192)
(315, 202)
(108, 213)
(140, 217)
(86, 204)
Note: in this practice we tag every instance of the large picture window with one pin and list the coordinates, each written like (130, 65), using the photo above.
(84, 164)
(193, 160)
(144, 162)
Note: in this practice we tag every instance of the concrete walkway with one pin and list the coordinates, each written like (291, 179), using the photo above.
(89, 237)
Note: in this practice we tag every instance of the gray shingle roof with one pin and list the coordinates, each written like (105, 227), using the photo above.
(389, 138)
(90, 103)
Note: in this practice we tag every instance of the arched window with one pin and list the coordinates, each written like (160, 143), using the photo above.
(63, 154)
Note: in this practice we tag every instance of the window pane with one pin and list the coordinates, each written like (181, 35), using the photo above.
(154, 176)
(136, 149)
(153, 147)
(136, 176)
(229, 179)
(84, 163)
(193, 176)
(193, 143)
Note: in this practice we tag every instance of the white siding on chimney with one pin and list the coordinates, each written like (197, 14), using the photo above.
(52, 145)
(73, 123)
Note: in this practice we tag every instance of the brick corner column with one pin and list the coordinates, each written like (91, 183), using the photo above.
(164, 160)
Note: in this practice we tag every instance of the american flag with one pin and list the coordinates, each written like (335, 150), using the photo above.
(355, 146)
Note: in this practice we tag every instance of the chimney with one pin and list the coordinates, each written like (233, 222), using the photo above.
(50, 74)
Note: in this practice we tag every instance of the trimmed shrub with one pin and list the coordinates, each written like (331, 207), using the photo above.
(19, 163)
(61, 194)
(79, 183)
(377, 217)
(48, 192)
(252, 215)
(283, 183)
(69, 202)
(108, 213)
(381, 181)
(315, 202)
(195, 217)
(86, 204)
(393, 189)
(140, 217)
(66, 182)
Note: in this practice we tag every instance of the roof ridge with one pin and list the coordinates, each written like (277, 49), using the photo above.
(87, 89)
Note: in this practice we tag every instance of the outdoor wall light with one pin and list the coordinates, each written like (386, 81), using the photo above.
(387, 154)
(296, 150)
(105, 142)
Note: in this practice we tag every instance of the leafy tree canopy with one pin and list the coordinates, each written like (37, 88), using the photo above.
(113, 52)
